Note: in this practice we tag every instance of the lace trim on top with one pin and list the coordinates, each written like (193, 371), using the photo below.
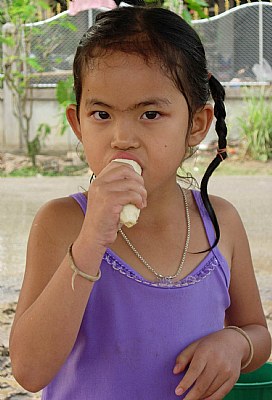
(189, 280)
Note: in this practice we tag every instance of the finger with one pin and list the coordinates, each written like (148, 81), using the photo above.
(222, 391)
(132, 193)
(194, 371)
(204, 383)
(129, 185)
(120, 199)
(220, 380)
(120, 191)
(184, 358)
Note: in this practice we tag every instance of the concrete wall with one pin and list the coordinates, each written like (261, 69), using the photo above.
(46, 110)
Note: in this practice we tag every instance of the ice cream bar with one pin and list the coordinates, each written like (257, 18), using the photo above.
(130, 213)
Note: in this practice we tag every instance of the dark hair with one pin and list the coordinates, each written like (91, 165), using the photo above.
(156, 33)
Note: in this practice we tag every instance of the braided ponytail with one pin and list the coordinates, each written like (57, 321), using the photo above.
(218, 95)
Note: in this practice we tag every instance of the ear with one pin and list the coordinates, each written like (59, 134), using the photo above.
(201, 124)
(71, 114)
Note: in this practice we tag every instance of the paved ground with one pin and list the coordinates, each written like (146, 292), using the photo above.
(21, 197)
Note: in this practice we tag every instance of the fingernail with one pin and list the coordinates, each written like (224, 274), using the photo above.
(179, 391)
(176, 369)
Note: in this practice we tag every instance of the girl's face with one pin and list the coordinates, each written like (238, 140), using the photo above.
(129, 109)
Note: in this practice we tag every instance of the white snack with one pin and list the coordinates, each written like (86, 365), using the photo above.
(130, 213)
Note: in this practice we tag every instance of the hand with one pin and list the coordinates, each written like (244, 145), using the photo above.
(214, 366)
(116, 185)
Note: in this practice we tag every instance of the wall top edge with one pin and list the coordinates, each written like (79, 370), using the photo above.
(231, 92)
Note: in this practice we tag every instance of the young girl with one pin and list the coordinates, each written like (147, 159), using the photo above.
(164, 308)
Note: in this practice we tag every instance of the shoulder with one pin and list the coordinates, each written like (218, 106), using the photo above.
(233, 237)
(58, 220)
(225, 211)
(228, 217)
(56, 225)
(60, 208)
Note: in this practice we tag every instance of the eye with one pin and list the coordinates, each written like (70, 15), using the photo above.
(151, 115)
(99, 115)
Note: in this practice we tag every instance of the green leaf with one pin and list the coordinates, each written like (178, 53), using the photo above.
(193, 3)
(200, 12)
(58, 60)
(64, 92)
(69, 25)
(186, 16)
(32, 62)
(8, 40)
(64, 24)
(43, 4)
(43, 130)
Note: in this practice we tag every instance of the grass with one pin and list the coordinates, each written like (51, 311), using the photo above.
(25, 172)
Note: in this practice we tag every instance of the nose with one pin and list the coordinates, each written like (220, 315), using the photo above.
(124, 136)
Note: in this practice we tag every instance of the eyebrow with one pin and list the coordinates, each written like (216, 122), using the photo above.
(154, 101)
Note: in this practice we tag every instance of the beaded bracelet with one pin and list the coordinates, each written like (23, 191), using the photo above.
(251, 349)
(78, 272)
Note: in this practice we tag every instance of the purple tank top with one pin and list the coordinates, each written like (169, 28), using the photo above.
(133, 329)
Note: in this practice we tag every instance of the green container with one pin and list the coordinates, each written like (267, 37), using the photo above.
(256, 385)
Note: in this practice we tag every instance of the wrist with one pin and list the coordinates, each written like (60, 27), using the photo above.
(98, 235)
(77, 271)
(88, 255)
(248, 350)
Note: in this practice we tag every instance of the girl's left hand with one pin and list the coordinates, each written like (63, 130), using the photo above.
(214, 366)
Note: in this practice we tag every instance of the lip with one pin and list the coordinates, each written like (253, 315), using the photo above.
(126, 156)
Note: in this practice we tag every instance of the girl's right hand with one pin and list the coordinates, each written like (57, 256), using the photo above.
(115, 186)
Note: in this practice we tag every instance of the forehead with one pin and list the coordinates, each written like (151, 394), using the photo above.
(117, 59)
(115, 68)
(127, 82)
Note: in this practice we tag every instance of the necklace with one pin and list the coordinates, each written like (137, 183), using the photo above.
(166, 280)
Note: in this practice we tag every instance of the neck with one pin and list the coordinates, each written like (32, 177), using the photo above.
(162, 207)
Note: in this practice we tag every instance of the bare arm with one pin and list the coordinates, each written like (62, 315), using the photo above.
(49, 312)
(216, 360)
(246, 309)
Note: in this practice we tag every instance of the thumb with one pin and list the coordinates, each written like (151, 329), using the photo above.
(185, 357)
